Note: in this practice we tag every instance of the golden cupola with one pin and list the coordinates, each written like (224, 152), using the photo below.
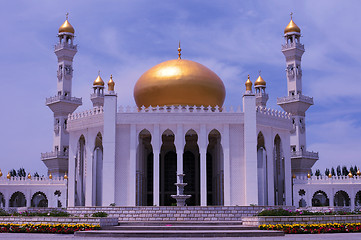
(260, 81)
(248, 84)
(292, 27)
(179, 82)
(111, 84)
(98, 81)
(66, 27)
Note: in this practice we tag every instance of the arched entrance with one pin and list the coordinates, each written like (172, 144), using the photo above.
(191, 168)
(98, 170)
(262, 171)
(79, 173)
(39, 199)
(2, 200)
(168, 169)
(279, 172)
(341, 199)
(144, 178)
(17, 200)
(358, 199)
(320, 199)
(214, 169)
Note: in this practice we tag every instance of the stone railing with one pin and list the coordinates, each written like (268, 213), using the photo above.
(62, 97)
(179, 109)
(64, 45)
(32, 180)
(56, 154)
(306, 154)
(327, 180)
(86, 113)
(292, 98)
(94, 95)
(292, 45)
(273, 112)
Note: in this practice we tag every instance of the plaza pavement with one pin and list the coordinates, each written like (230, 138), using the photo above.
(332, 236)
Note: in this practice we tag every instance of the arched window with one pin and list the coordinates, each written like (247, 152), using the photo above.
(358, 199)
(341, 199)
(17, 200)
(320, 199)
(39, 200)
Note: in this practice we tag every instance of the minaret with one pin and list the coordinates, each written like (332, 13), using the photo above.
(260, 88)
(97, 97)
(296, 103)
(63, 103)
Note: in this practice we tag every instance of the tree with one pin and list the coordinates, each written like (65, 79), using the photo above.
(317, 173)
(12, 173)
(21, 172)
(338, 170)
(327, 172)
(344, 171)
(36, 174)
(353, 170)
(333, 172)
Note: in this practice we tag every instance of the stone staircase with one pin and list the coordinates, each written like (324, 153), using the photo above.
(152, 229)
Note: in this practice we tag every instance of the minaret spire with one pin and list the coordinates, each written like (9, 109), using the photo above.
(179, 51)
(296, 103)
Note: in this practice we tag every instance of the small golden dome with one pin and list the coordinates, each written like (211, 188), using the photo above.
(50, 176)
(292, 27)
(350, 175)
(8, 176)
(111, 84)
(98, 81)
(308, 175)
(29, 176)
(260, 81)
(293, 176)
(65, 176)
(248, 84)
(179, 82)
(66, 27)
(358, 172)
(1, 174)
(329, 175)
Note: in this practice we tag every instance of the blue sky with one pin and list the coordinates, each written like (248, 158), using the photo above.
(233, 38)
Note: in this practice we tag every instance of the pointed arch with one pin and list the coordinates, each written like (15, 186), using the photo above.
(215, 172)
(98, 169)
(80, 172)
(320, 199)
(279, 172)
(144, 169)
(191, 167)
(2, 200)
(39, 199)
(262, 170)
(17, 199)
(341, 199)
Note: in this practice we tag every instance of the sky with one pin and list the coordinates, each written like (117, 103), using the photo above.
(232, 38)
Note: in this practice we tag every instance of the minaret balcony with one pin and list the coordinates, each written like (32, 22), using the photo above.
(63, 104)
(65, 46)
(304, 154)
(52, 155)
(295, 104)
(59, 98)
(293, 45)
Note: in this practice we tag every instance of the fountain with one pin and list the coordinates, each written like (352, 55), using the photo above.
(180, 197)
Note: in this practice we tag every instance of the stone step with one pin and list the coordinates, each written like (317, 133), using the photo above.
(182, 227)
(178, 233)
(183, 223)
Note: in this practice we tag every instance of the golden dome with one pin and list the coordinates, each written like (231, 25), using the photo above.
(350, 175)
(358, 172)
(66, 27)
(1, 174)
(179, 82)
(308, 175)
(329, 175)
(8, 176)
(248, 84)
(292, 27)
(29, 176)
(98, 81)
(50, 176)
(111, 84)
(260, 81)
(65, 176)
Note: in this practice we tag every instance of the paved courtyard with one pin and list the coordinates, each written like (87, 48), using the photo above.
(348, 236)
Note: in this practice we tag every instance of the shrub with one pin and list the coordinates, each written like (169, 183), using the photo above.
(314, 228)
(100, 214)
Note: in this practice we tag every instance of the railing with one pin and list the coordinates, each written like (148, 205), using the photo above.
(298, 97)
(56, 154)
(94, 95)
(62, 97)
(261, 94)
(327, 180)
(292, 45)
(65, 45)
(304, 154)
(273, 112)
(90, 112)
(33, 180)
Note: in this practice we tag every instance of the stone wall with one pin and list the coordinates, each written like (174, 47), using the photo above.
(256, 221)
(59, 220)
(216, 213)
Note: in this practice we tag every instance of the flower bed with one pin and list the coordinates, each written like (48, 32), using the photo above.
(46, 228)
(314, 228)
(300, 212)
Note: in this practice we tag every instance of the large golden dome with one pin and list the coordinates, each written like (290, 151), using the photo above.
(179, 82)
(66, 27)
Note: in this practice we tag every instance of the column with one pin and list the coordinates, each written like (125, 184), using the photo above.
(132, 167)
(89, 173)
(226, 166)
(203, 163)
(71, 173)
(109, 141)
(179, 144)
(156, 150)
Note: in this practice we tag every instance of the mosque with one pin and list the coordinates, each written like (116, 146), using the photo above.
(179, 134)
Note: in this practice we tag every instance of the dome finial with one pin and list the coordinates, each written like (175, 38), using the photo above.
(291, 15)
(179, 51)
(98, 81)
(67, 15)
